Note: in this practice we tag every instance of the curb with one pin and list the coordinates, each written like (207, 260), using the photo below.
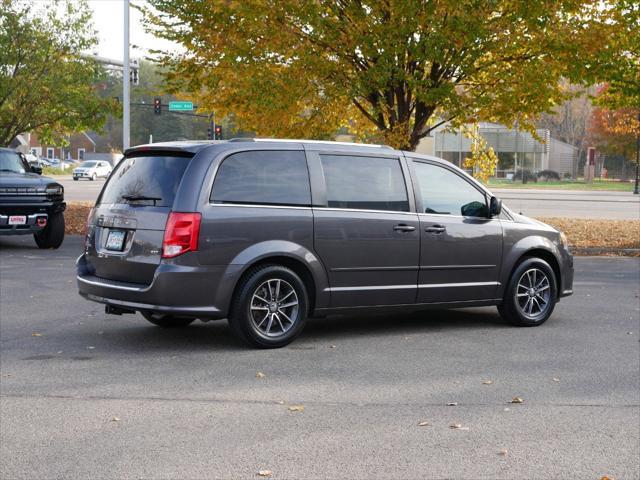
(606, 251)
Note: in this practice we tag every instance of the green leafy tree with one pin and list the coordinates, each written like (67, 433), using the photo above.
(388, 70)
(46, 85)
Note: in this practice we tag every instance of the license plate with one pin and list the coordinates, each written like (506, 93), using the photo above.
(17, 219)
(115, 240)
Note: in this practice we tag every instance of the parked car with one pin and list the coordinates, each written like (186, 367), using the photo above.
(35, 160)
(92, 170)
(30, 203)
(267, 233)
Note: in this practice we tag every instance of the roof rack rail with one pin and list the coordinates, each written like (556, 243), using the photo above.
(325, 142)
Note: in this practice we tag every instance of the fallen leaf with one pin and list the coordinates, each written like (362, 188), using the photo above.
(556, 379)
(265, 473)
(487, 382)
(503, 451)
(517, 400)
(296, 408)
(423, 424)
(606, 478)
(452, 404)
(260, 375)
(35, 334)
(457, 426)
(115, 419)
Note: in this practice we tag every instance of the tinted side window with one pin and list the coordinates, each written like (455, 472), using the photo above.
(367, 183)
(443, 192)
(263, 177)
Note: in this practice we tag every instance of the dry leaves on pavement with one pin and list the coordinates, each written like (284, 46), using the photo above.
(260, 375)
(265, 473)
(296, 408)
(458, 426)
(517, 400)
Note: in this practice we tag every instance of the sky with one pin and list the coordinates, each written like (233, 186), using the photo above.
(108, 17)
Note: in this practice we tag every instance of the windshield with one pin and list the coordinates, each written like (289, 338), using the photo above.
(152, 180)
(11, 162)
(87, 164)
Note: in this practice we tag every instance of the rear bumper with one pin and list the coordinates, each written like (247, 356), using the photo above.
(175, 289)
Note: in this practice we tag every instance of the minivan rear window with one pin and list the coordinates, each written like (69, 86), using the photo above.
(145, 180)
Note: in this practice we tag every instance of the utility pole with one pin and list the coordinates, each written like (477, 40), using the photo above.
(635, 189)
(126, 109)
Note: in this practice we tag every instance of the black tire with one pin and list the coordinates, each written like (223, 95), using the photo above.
(284, 321)
(167, 321)
(52, 235)
(75, 179)
(94, 177)
(524, 304)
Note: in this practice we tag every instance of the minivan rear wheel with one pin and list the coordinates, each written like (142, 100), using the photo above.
(270, 307)
(531, 294)
(167, 321)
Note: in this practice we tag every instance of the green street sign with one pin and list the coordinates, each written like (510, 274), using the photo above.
(180, 106)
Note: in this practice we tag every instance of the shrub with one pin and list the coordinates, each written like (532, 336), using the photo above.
(528, 176)
(548, 175)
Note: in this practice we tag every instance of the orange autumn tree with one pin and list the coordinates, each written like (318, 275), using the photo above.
(388, 70)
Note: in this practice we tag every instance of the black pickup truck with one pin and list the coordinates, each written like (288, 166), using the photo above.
(30, 203)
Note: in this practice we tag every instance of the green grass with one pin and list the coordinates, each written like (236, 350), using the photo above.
(49, 171)
(609, 185)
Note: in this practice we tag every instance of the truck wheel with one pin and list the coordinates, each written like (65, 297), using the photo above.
(75, 179)
(270, 307)
(531, 294)
(167, 321)
(53, 234)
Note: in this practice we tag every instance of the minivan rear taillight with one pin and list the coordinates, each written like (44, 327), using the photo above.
(181, 234)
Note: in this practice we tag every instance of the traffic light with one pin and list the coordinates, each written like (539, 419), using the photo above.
(218, 132)
(157, 106)
(209, 134)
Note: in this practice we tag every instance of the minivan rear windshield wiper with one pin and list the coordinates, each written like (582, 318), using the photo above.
(133, 198)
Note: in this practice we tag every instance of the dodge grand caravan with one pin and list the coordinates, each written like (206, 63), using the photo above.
(269, 232)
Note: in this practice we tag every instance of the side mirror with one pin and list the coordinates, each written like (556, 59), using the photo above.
(495, 207)
(36, 169)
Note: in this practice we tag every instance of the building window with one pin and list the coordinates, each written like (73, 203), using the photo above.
(49, 152)
(81, 154)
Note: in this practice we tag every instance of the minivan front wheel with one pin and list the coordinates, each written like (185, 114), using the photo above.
(531, 294)
(270, 307)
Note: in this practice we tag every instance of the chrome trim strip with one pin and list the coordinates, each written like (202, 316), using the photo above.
(331, 209)
(448, 215)
(251, 205)
(404, 287)
(369, 287)
(374, 269)
(453, 267)
(465, 284)
(108, 285)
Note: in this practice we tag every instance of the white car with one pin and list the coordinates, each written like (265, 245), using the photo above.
(92, 169)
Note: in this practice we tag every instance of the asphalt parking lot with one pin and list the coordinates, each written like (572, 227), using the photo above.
(85, 395)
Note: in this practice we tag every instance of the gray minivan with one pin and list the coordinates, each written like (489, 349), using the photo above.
(269, 232)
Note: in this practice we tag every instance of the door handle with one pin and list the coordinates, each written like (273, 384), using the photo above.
(435, 229)
(404, 228)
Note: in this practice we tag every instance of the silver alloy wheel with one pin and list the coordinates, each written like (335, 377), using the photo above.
(274, 307)
(533, 294)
